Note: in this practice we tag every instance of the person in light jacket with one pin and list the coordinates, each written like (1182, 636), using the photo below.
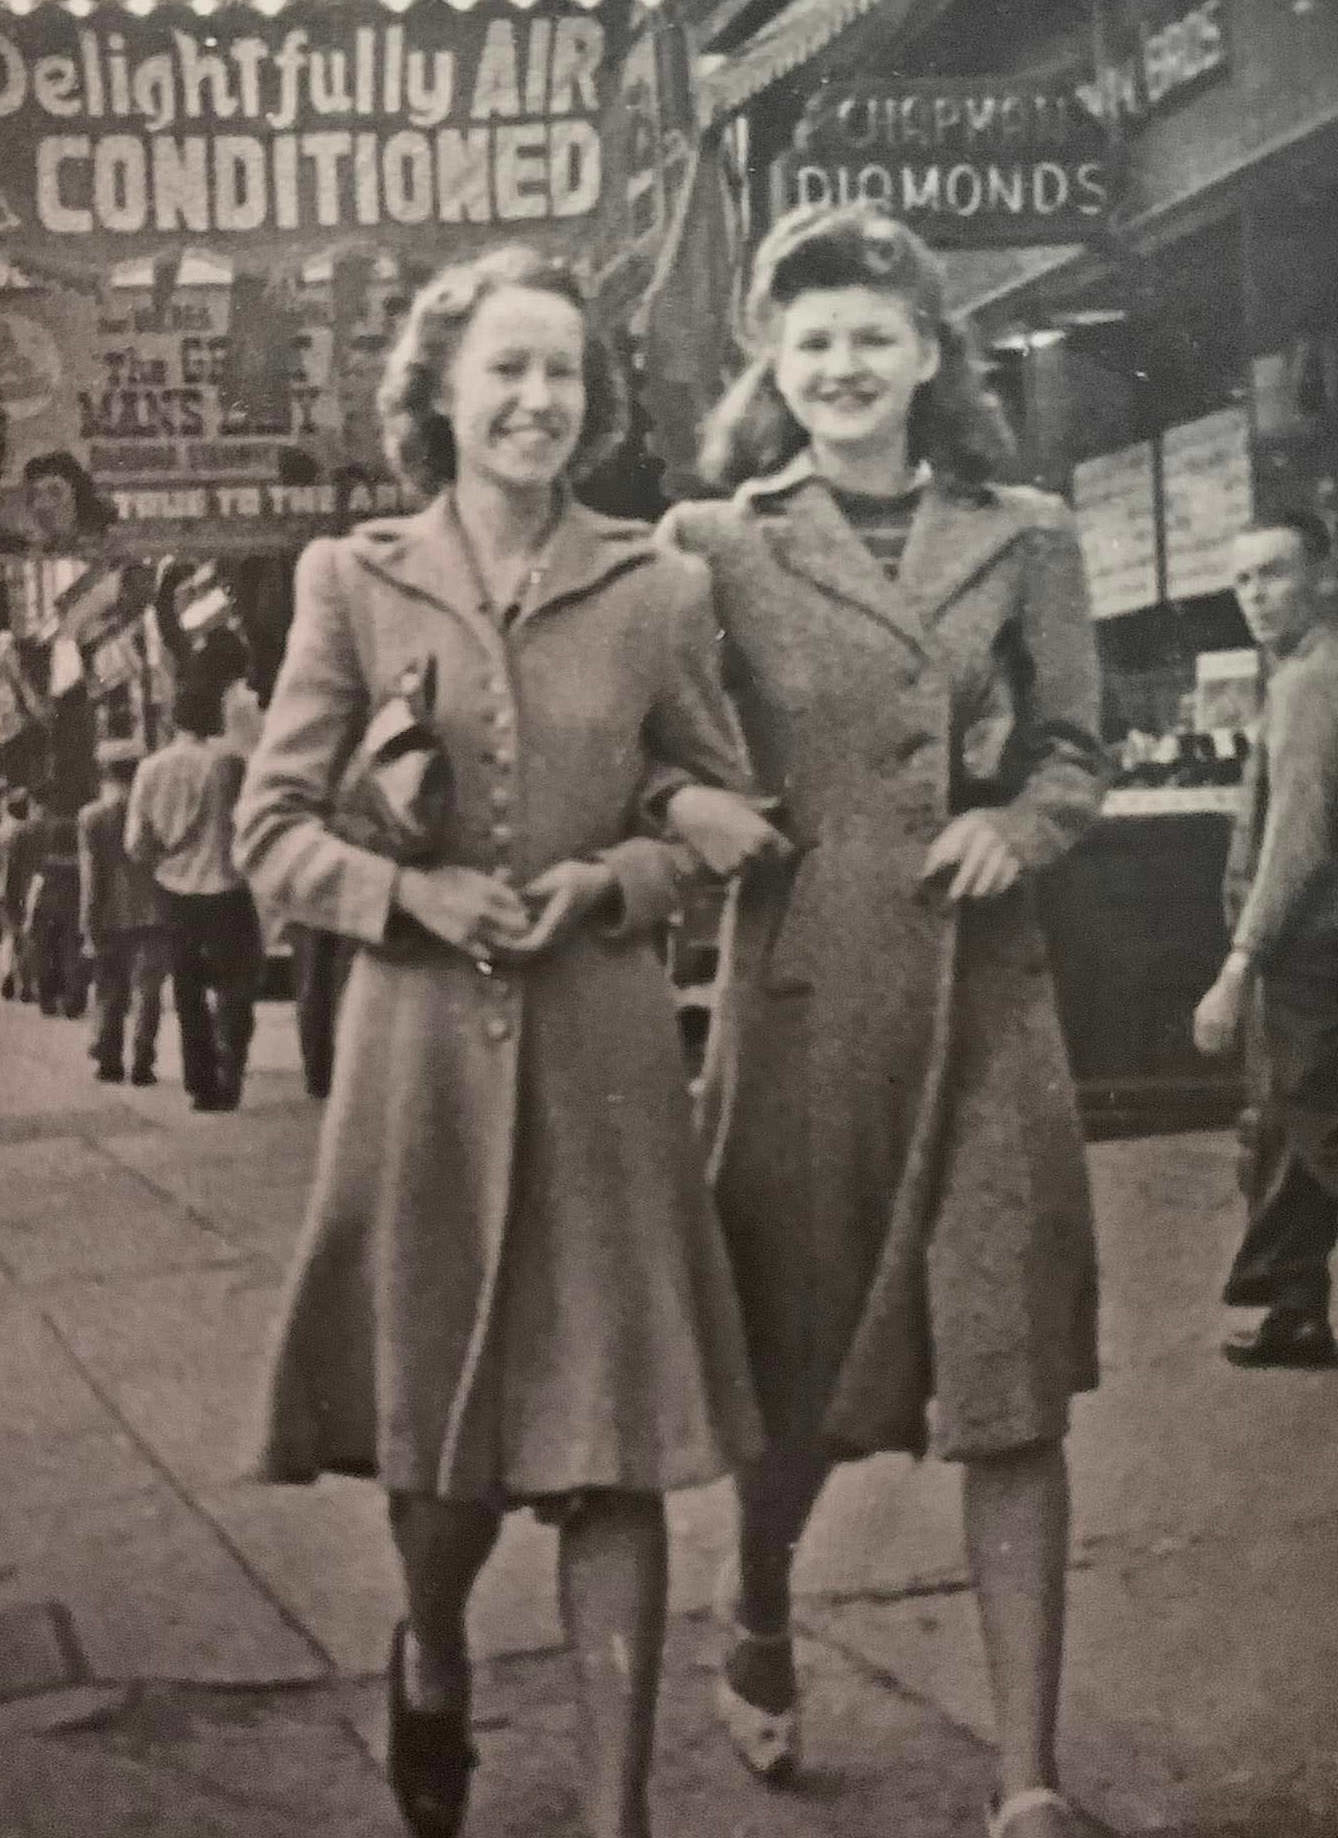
(901, 1173)
(512, 1288)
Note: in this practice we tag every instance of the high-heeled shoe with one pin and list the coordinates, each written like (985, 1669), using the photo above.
(766, 1741)
(429, 1757)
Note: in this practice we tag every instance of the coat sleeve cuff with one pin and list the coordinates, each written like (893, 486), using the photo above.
(367, 898)
(649, 884)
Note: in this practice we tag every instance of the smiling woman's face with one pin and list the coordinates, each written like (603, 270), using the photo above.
(848, 363)
(514, 389)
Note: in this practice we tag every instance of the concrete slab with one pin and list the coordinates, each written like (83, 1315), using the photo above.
(76, 1707)
(42, 1392)
(1198, 1685)
(155, 1593)
(39, 1650)
(325, 1551)
(180, 1355)
(117, 1227)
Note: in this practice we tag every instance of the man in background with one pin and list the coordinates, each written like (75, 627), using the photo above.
(179, 825)
(53, 921)
(11, 822)
(121, 926)
(1282, 900)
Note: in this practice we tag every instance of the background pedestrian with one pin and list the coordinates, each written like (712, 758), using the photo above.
(1282, 902)
(120, 924)
(179, 825)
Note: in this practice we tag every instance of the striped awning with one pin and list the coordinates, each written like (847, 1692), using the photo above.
(784, 44)
(80, 9)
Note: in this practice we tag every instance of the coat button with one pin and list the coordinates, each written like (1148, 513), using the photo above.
(500, 798)
(497, 1027)
(498, 686)
(502, 834)
(502, 718)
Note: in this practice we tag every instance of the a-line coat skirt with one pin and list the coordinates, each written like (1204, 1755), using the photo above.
(512, 1283)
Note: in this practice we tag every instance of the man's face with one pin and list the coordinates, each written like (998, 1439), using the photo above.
(1272, 576)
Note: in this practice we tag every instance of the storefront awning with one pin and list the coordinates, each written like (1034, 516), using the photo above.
(804, 28)
(139, 8)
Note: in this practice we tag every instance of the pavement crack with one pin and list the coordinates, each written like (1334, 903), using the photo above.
(150, 1455)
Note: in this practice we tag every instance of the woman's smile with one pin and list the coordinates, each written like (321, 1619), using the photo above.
(848, 364)
(515, 388)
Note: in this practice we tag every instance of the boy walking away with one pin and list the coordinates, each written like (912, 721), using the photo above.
(179, 825)
(120, 922)
(1282, 896)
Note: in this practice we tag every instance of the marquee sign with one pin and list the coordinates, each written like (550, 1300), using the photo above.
(454, 121)
(966, 160)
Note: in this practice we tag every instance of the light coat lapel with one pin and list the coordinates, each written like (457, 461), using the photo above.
(424, 555)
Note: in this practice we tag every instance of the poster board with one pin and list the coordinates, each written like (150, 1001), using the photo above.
(1114, 501)
(1208, 495)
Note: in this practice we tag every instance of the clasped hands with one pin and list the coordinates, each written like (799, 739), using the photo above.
(483, 916)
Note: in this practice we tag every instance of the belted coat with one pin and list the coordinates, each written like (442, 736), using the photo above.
(901, 1175)
(512, 1282)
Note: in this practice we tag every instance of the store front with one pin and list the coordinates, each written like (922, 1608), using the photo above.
(211, 223)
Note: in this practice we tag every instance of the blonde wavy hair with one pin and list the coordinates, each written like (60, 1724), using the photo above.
(955, 422)
(416, 432)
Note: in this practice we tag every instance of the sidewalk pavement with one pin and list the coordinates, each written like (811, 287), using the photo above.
(217, 1667)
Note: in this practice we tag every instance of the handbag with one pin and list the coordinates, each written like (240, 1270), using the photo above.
(395, 797)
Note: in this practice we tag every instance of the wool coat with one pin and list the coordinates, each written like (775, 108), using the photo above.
(901, 1177)
(512, 1282)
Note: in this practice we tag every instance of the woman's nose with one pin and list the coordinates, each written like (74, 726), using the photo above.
(536, 391)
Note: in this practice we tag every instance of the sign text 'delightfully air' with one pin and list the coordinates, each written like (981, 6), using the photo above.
(248, 126)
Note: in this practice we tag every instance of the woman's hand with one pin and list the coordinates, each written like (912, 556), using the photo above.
(560, 898)
(472, 911)
(985, 865)
(1217, 1017)
(722, 828)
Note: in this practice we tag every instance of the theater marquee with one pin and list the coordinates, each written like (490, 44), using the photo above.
(123, 131)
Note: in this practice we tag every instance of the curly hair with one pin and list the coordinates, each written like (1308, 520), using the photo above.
(954, 421)
(417, 435)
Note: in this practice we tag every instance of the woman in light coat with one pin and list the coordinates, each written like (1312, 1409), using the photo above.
(512, 1288)
(901, 1172)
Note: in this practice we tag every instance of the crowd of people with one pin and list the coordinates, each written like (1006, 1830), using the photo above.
(860, 684)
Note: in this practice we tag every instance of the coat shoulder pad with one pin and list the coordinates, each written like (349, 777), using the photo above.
(703, 526)
(1034, 510)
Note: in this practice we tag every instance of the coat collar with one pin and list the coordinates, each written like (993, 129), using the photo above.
(424, 555)
(952, 537)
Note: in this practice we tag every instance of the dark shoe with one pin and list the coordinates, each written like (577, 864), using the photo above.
(429, 1758)
(26, 995)
(210, 1100)
(110, 1075)
(143, 1075)
(7, 989)
(1285, 1338)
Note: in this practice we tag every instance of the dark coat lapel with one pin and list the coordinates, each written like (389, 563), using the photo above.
(809, 536)
(952, 538)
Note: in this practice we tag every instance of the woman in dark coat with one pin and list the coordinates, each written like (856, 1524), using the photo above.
(901, 1175)
(513, 1288)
